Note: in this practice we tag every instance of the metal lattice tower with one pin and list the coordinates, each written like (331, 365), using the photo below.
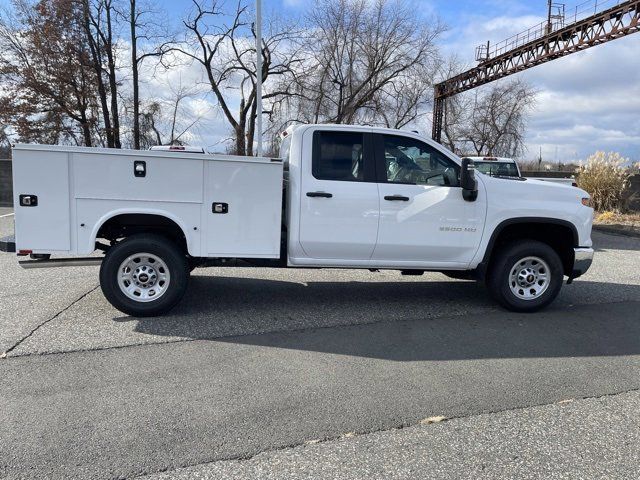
(547, 41)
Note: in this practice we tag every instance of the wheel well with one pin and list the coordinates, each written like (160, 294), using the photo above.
(559, 236)
(125, 225)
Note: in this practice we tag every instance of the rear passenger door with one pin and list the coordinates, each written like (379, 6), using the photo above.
(339, 196)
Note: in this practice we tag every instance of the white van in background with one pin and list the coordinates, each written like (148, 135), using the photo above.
(177, 149)
(496, 166)
(507, 167)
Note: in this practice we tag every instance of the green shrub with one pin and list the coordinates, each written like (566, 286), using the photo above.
(605, 178)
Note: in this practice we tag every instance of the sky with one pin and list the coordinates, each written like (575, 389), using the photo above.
(586, 102)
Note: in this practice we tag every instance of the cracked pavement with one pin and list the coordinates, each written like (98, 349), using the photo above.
(255, 361)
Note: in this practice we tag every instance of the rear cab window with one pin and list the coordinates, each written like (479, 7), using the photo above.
(497, 169)
(341, 156)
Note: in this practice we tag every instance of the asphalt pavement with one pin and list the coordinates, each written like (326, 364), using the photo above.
(574, 439)
(256, 364)
(237, 301)
(125, 412)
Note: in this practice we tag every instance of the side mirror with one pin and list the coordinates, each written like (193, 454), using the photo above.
(468, 180)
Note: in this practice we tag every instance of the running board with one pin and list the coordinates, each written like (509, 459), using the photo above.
(61, 262)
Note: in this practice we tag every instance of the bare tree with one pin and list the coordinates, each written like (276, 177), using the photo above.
(45, 68)
(369, 62)
(224, 45)
(5, 142)
(168, 122)
(498, 120)
(490, 120)
(148, 123)
(403, 102)
(96, 51)
(148, 39)
(100, 25)
(456, 110)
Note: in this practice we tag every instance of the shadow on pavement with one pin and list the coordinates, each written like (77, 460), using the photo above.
(580, 332)
(406, 328)
(604, 242)
(273, 305)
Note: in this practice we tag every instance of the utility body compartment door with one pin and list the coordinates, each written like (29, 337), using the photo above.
(339, 208)
(243, 209)
(45, 226)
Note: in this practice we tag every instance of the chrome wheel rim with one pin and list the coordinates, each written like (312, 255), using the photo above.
(529, 278)
(144, 277)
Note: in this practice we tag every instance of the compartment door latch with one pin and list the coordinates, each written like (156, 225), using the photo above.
(28, 200)
(140, 168)
(220, 208)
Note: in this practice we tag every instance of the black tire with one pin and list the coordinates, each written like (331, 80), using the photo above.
(500, 283)
(169, 253)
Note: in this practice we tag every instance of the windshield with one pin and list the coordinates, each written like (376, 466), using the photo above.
(497, 169)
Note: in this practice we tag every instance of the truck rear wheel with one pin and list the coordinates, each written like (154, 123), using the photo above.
(526, 276)
(144, 275)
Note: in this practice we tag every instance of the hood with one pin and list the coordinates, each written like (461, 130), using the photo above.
(532, 188)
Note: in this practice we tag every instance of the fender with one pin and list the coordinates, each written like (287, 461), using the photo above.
(482, 266)
(145, 211)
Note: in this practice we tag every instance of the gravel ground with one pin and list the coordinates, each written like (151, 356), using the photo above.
(6, 221)
(30, 298)
(590, 439)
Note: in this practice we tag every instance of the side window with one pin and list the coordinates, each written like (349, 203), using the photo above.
(338, 156)
(413, 162)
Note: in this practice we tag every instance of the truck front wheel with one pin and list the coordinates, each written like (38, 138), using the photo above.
(144, 275)
(526, 276)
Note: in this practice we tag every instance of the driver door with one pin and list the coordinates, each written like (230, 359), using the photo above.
(424, 221)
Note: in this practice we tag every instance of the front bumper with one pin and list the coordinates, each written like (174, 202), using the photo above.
(583, 257)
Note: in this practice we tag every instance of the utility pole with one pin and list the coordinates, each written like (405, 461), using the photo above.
(540, 160)
(259, 74)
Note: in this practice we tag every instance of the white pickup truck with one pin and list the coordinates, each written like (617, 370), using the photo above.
(339, 197)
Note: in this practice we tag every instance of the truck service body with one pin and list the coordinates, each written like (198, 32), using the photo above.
(340, 197)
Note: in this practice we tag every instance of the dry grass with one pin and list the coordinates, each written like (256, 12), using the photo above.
(606, 179)
(615, 218)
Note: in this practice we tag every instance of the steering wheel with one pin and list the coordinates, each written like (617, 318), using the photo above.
(426, 178)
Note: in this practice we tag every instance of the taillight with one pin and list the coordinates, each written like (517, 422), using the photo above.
(586, 201)
(24, 253)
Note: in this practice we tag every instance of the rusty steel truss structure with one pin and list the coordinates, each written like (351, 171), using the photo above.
(557, 41)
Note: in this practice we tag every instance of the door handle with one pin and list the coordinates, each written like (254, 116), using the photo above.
(396, 198)
(319, 194)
